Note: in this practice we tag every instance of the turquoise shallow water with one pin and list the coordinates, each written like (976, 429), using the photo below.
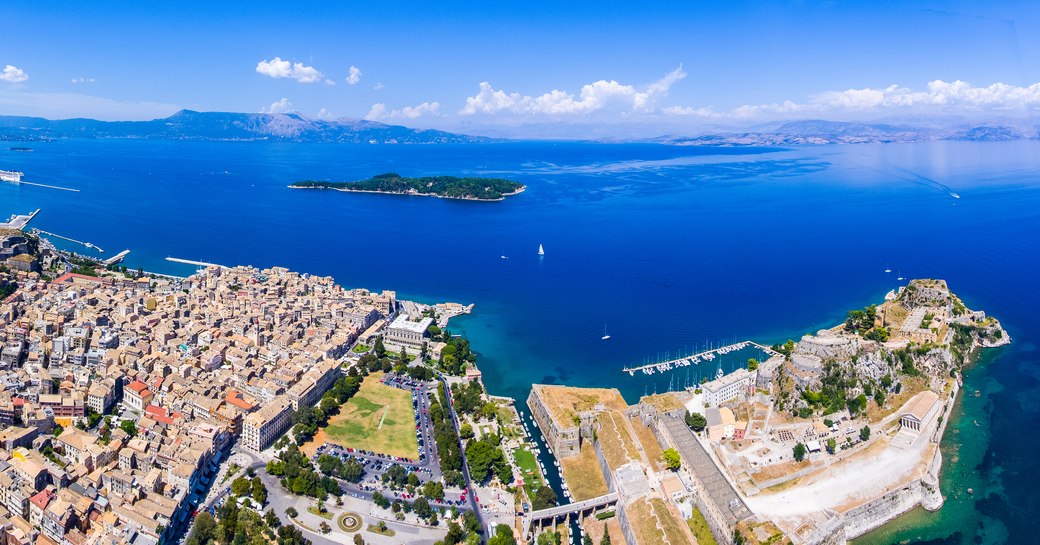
(667, 247)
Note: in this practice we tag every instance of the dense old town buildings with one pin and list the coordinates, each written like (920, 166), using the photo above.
(197, 364)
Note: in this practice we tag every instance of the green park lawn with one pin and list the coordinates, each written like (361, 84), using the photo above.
(529, 466)
(378, 419)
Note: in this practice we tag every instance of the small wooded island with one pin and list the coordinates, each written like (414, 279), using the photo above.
(447, 187)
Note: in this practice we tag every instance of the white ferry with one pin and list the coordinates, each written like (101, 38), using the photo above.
(11, 176)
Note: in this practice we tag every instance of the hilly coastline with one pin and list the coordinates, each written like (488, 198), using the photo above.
(819, 132)
(294, 127)
(191, 125)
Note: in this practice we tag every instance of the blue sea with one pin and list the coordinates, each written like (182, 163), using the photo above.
(666, 248)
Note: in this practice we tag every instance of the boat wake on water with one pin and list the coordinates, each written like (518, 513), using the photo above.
(927, 182)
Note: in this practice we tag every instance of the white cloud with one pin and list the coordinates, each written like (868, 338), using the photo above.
(379, 111)
(325, 115)
(329, 82)
(938, 97)
(13, 74)
(600, 95)
(81, 80)
(379, 86)
(355, 75)
(938, 93)
(691, 111)
(280, 106)
(277, 68)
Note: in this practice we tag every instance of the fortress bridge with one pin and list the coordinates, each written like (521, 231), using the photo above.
(693, 359)
(581, 509)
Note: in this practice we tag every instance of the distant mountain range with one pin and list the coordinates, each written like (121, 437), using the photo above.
(189, 125)
(840, 132)
(292, 127)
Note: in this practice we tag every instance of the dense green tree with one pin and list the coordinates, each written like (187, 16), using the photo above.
(861, 320)
(485, 459)
(799, 452)
(544, 498)
(864, 433)
(433, 490)
(380, 500)
(204, 530)
(128, 426)
(470, 522)
(240, 486)
(328, 405)
(422, 508)
(696, 421)
(259, 491)
(550, 537)
(672, 460)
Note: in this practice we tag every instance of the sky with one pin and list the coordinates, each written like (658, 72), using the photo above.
(497, 67)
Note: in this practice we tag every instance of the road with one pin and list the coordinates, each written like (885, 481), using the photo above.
(472, 493)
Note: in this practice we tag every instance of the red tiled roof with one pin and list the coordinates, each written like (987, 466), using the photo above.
(42, 499)
(235, 398)
(69, 276)
(138, 387)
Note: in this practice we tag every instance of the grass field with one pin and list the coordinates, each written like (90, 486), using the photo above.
(700, 529)
(529, 465)
(378, 418)
(583, 474)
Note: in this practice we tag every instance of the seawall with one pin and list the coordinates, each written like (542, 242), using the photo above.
(923, 491)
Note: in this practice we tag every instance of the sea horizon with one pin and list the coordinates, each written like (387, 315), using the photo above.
(666, 247)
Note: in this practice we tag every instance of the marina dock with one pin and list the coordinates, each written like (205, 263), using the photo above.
(117, 258)
(693, 359)
(55, 235)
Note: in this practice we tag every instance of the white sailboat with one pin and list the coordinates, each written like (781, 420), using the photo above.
(541, 250)
(900, 277)
(605, 336)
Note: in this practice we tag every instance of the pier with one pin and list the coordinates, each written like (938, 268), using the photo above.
(116, 258)
(693, 359)
(19, 221)
(196, 263)
(49, 186)
(55, 235)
